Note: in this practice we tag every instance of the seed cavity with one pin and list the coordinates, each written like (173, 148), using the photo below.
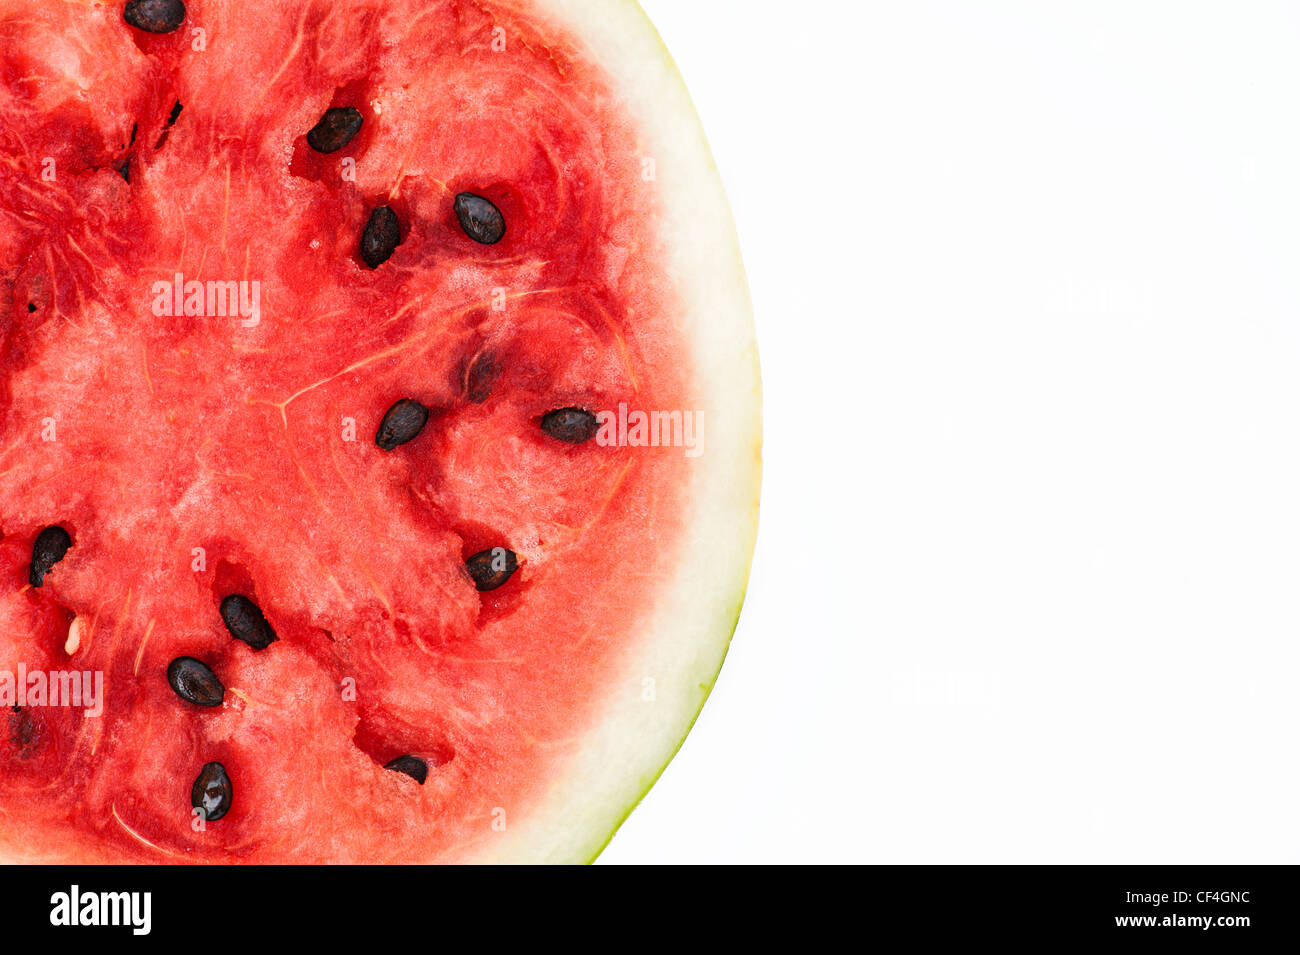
(481, 220)
(491, 568)
(380, 237)
(167, 127)
(574, 425)
(212, 792)
(412, 766)
(194, 682)
(154, 16)
(245, 622)
(480, 377)
(401, 423)
(51, 544)
(335, 129)
(23, 728)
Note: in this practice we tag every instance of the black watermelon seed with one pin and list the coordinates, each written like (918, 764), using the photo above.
(413, 766)
(481, 220)
(154, 16)
(212, 792)
(50, 546)
(401, 423)
(381, 237)
(31, 307)
(335, 129)
(194, 682)
(574, 425)
(245, 622)
(492, 567)
(125, 171)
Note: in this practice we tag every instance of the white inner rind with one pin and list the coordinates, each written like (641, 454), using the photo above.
(686, 638)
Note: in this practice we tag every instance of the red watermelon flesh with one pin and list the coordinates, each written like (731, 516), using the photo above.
(195, 456)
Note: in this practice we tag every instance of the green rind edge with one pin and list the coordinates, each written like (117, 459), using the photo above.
(744, 588)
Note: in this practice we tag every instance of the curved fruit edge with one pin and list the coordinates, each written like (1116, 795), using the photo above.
(758, 374)
(681, 742)
(551, 833)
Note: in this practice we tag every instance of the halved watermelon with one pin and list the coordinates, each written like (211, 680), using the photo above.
(379, 423)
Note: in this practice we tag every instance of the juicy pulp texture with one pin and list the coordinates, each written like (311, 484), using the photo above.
(194, 456)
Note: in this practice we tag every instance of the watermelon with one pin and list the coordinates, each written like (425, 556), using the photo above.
(379, 428)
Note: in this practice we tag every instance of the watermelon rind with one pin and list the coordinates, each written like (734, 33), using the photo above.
(687, 635)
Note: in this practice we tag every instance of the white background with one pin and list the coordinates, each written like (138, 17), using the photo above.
(1025, 277)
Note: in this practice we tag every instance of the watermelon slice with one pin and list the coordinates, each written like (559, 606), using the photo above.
(379, 428)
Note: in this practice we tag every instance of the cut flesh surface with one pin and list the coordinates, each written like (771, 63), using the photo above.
(199, 371)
